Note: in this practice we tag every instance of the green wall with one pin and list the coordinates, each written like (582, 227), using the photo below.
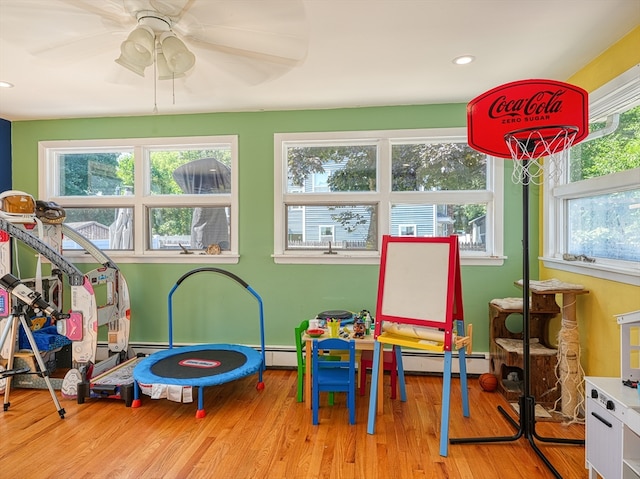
(209, 307)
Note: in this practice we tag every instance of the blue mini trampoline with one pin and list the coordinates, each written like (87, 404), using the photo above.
(200, 365)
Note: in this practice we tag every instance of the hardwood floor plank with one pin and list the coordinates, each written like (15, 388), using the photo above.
(251, 434)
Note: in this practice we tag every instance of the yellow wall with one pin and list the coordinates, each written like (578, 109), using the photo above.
(599, 331)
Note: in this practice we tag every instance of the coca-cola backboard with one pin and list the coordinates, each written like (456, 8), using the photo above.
(524, 104)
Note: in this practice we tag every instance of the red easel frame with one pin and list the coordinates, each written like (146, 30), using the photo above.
(453, 306)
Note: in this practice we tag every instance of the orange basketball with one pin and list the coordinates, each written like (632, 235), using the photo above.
(488, 382)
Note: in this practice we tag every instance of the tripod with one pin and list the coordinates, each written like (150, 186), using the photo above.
(17, 318)
(526, 427)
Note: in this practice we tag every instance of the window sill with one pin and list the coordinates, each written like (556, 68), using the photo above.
(341, 258)
(338, 258)
(620, 275)
(161, 258)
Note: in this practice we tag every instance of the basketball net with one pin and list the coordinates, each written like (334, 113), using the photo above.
(529, 146)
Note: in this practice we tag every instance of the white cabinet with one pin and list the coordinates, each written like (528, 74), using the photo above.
(612, 429)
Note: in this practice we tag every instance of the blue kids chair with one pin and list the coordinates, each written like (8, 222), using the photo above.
(301, 355)
(334, 376)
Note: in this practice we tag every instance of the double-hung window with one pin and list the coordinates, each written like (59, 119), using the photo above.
(593, 209)
(337, 193)
(147, 199)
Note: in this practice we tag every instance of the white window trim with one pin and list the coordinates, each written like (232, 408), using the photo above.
(493, 196)
(47, 178)
(603, 101)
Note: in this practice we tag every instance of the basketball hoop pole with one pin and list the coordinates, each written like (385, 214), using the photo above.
(527, 402)
(526, 427)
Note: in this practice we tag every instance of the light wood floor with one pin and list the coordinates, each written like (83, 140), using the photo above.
(251, 434)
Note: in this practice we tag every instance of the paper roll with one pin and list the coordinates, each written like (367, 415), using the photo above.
(419, 332)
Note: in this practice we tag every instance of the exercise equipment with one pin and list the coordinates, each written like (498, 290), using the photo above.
(173, 372)
(80, 326)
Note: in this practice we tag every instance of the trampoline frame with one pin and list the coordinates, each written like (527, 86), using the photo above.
(256, 361)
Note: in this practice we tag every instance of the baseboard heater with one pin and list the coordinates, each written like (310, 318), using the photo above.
(285, 357)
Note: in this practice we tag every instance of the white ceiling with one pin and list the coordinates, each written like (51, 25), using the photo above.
(60, 54)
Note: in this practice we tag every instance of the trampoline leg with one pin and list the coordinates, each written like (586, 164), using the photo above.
(200, 413)
(136, 395)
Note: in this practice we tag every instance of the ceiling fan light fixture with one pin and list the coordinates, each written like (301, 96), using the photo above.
(135, 68)
(179, 59)
(139, 47)
(164, 72)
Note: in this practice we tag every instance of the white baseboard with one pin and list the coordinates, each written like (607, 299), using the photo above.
(285, 357)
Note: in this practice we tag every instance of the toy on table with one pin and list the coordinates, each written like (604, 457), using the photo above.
(359, 329)
(345, 317)
(365, 316)
(333, 325)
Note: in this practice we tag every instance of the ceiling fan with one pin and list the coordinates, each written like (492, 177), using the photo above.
(256, 40)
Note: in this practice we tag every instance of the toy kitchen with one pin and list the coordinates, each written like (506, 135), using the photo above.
(613, 411)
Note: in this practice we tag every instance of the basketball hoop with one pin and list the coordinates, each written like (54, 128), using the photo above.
(556, 117)
(528, 146)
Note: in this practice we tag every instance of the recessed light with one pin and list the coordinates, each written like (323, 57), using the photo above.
(6, 84)
(464, 59)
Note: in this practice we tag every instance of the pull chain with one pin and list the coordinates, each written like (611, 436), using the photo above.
(155, 83)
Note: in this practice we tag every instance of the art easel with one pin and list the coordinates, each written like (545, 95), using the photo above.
(419, 304)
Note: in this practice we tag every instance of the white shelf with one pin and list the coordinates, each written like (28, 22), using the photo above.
(633, 466)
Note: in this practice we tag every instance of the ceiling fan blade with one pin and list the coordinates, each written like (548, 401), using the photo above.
(64, 32)
(271, 47)
(171, 8)
(110, 10)
(79, 48)
(240, 68)
(247, 54)
(270, 30)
